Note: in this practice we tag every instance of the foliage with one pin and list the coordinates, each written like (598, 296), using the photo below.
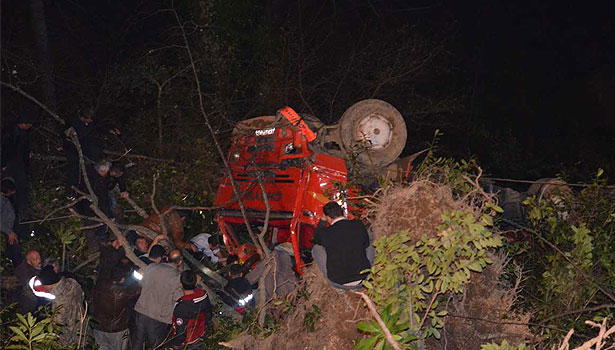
(377, 338)
(412, 277)
(565, 284)
(31, 333)
(504, 346)
(409, 278)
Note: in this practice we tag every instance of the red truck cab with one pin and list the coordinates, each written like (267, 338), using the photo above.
(297, 181)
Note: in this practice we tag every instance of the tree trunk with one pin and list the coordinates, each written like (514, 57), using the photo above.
(39, 28)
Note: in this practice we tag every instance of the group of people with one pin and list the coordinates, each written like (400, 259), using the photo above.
(160, 305)
(16, 154)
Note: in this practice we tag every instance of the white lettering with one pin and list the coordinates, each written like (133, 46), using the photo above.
(264, 132)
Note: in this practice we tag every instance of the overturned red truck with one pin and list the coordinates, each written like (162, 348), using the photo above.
(301, 164)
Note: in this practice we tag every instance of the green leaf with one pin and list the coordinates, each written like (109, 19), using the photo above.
(475, 266)
(367, 344)
(22, 319)
(370, 327)
(18, 332)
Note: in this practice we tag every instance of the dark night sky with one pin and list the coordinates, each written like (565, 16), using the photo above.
(539, 73)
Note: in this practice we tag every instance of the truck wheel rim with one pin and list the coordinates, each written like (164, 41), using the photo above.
(376, 131)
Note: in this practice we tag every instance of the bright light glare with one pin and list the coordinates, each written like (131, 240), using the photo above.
(137, 275)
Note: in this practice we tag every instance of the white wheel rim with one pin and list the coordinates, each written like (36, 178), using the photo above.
(376, 131)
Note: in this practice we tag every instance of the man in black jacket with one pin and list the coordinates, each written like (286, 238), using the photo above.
(16, 165)
(341, 250)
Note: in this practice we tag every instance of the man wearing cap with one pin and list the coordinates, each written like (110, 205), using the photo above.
(159, 291)
(67, 299)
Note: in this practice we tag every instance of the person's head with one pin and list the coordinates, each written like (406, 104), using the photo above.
(27, 117)
(48, 278)
(117, 170)
(141, 244)
(175, 257)
(232, 259)
(157, 253)
(214, 242)
(120, 272)
(51, 261)
(86, 115)
(332, 211)
(7, 186)
(188, 280)
(235, 271)
(24, 126)
(33, 258)
(102, 167)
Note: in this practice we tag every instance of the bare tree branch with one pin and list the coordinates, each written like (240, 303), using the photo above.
(31, 98)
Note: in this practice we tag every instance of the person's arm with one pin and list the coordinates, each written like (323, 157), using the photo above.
(7, 219)
(121, 184)
(322, 225)
(156, 240)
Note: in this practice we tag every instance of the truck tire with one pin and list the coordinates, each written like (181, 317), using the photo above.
(374, 130)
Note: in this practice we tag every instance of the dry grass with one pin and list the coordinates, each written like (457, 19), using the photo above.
(417, 208)
(335, 329)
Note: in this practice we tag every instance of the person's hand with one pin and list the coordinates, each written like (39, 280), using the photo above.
(115, 132)
(124, 194)
(13, 238)
(121, 240)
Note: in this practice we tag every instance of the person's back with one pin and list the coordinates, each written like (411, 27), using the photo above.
(112, 298)
(345, 243)
(68, 300)
(160, 289)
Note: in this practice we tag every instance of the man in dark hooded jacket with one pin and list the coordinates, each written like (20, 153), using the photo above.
(16, 164)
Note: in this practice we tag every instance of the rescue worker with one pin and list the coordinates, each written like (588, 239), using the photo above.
(238, 291)
(67, 299)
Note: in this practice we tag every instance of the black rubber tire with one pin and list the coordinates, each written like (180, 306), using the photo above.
(363, 109)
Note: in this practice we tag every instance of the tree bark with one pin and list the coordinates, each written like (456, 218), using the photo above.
(41, 41)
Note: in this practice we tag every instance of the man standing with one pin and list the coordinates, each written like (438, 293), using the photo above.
(16, 164)
(159, 291)
(24, 272)
(7, 222)
(112, 300)
(192, 313)
(68, 301)
(97, 178)
(341, 250)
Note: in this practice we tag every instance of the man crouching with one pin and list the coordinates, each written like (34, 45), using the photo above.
(343, 249)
